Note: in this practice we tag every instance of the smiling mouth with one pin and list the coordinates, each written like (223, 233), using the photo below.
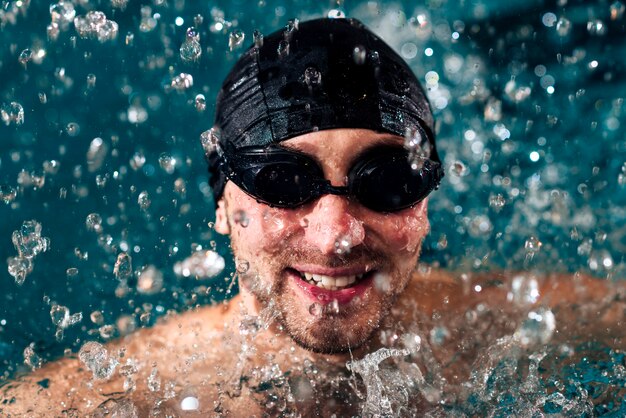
(333, 282)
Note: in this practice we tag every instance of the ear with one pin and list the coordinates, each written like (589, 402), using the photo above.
(221, 218)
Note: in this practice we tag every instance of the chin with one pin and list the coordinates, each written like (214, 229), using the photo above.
(333, 333)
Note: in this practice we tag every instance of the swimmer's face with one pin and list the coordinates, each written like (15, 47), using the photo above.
(364, 257)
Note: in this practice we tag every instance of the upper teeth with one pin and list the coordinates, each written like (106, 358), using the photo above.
(331, 283)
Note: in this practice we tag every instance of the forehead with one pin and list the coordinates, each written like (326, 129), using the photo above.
(340, 144)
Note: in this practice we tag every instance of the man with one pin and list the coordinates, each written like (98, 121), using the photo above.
(321, 162)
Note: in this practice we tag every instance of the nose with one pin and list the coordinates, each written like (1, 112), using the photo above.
(331, 226)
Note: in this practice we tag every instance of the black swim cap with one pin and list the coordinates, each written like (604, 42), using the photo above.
(317, 75)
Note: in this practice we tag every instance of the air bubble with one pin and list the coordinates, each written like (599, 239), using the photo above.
(25, 56)
(94, 222)
(96, 359)
(62, 12)
(343, 245)
(497, 201)
(31, 359)
(596, 27)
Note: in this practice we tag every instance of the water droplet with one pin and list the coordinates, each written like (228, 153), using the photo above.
(524, 290)
(201, 265)
(181, 82)
(19, 268)
(154, 382)
(96, 154)
(144, 200)
(382, 282)
(71, 272)
(242, 266)
(210, 140)
(123, 268)
(617, 10)
(25, 56)
(241, 218)
(497, 201)
(563, 26)
(62, 13)
(283, 49)
(119, 4)
(359, 54)
(312, 77)
(7, 193)
(258, 38)
(190, 403)
(343, 245)
(150, 281)
(31, 359)
(12, 113)
(336, 14)
(96, 359)
(537, 329)
(459, 169)
(97, 317)
(493, 110)
(235, 39)
(596, 27)
(190, 50)
(167, 163)
(94, 222)
(137, 161)
(200, 103)
(315, 309)
(532, 245)
(333, 307)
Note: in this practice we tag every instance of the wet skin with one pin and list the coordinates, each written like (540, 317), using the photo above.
(278, 243)
(223, 355)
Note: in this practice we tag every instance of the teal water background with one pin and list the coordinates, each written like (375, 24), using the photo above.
(528, 99)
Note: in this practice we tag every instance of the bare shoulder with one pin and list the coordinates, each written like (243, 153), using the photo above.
(138, 371)
(582, 304)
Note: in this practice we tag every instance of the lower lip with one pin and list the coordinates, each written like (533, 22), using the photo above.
(325, 296)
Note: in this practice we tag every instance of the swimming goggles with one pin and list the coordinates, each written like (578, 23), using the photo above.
(381, 179)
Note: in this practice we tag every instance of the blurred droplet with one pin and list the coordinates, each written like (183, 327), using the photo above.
(96, 154)
(190, 50)
(7, 193)
(210, 140)
(72, 129)
(62, 13)
(497, 201)
(596, 27)
(150, 281)
(71, 272)
(617, 10)
(563, 26)
(190, 403)
(459, 169)
(359, 54)
(144, 200)
(538, 328)
(167, 163)
(182, 82)
(201, 265)
(12, 113)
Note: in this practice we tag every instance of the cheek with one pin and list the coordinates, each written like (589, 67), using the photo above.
(257, 228)
(403, 231)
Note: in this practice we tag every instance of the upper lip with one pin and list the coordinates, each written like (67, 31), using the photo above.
(332, 271)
